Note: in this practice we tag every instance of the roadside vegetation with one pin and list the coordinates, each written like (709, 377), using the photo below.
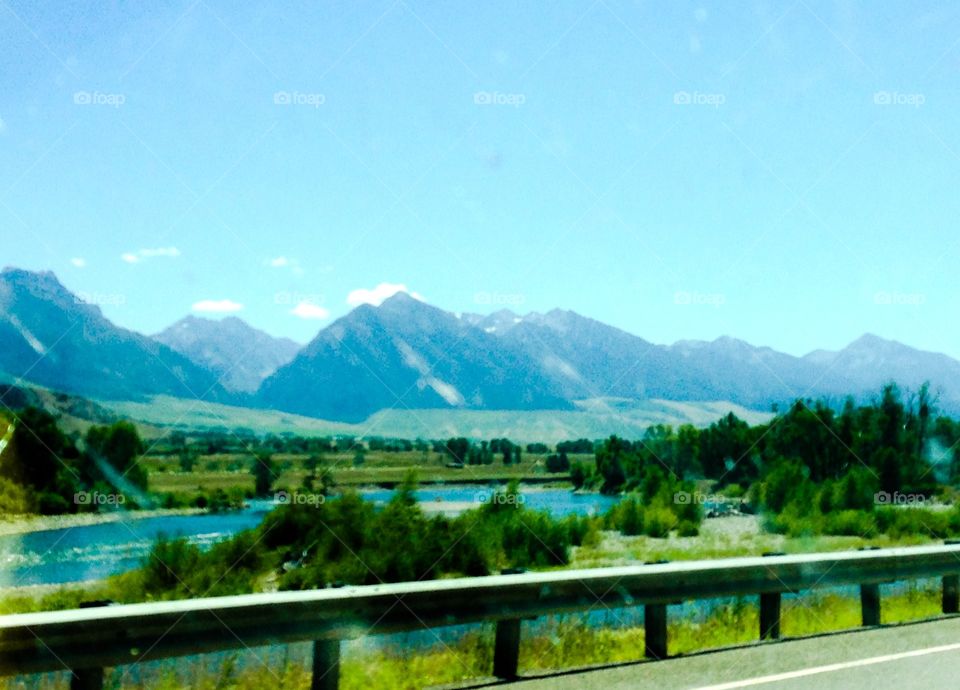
(814, 478)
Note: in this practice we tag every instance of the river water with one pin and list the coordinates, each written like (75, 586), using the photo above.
(93, 552)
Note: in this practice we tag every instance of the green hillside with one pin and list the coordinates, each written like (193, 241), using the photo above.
(594, 419)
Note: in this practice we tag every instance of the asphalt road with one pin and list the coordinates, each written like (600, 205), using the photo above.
(921, 655)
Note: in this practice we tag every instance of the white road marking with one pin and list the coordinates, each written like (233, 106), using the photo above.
(830, 668)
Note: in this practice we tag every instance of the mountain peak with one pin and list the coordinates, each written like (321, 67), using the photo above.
(80, 350)
(44, 279)
(872, 340)
(400, 298)
(240, 355)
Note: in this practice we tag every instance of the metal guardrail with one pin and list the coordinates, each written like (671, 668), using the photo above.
(85, 641)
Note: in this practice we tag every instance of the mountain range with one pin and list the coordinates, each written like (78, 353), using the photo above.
(409, 355)
(54, 338)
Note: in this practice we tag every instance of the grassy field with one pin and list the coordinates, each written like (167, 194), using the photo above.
(227, 471)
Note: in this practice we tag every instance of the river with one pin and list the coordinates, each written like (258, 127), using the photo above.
(92, 552)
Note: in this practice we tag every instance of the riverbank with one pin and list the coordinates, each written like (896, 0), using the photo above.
(24, 524)
(722, 537)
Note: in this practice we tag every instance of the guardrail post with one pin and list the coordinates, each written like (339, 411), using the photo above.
(870, 604)
(655, 631)
(951, 593)
(770, 615)
(326, 665)
(506, 649)
(86, 679)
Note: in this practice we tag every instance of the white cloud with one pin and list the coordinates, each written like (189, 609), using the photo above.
(3, 126)
(377, 295)
(309, 310)
(140, 255)
(286, 262)
(219, 306)
(78, 261)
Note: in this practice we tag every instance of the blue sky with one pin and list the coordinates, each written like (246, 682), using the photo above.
(780, 172)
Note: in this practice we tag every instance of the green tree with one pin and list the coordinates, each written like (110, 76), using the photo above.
(120, 445)
(579, 473)
(687, 454)
(38, 449)
(187, 460)
(457, 449)
(263, 473)
(610, 459)
(558, 462)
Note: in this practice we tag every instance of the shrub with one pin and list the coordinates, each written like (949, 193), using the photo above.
(658, 522)
(850, 523)
(627, 516)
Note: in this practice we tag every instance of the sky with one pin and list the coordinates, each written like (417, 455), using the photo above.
(781, 172)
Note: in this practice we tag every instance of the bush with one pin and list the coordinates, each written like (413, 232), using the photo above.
(49, 503)
(14, 498)
(734, 491)
(658, 522)
(905, 522)
(593, 538)
(627, 516)
(850, 523)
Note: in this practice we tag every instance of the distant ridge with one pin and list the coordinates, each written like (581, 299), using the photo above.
(408, 355)
(52, 337)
